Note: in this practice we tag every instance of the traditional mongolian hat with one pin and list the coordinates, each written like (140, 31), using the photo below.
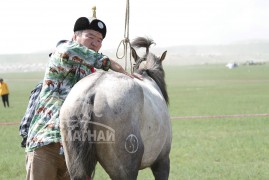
(93, 23)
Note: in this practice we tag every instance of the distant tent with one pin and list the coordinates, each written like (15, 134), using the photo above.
(231, 65)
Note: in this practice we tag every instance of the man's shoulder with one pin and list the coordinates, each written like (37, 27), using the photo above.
(66, 45)
(62, 41)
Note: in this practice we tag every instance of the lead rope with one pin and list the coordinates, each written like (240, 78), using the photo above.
(126, 42)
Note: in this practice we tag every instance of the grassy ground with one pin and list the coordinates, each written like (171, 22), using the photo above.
(216, 90)
(235, 148)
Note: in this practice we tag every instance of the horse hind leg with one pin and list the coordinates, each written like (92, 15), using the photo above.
(120, 161)
(120, 165)
(121, 176)
(80, 154)
(161, 168)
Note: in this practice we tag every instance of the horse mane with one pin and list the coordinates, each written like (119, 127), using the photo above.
(157, 73)
(142, 42)
(153, 67)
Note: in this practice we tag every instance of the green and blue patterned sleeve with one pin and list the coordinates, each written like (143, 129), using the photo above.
(103, 62)
(90, 57)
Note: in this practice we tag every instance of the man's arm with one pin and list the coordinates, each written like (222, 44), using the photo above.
(117, 67)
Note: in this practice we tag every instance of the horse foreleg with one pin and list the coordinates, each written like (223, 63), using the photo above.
(161, 168)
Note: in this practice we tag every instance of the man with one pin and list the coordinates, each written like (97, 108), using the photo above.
(71, 61)
(4, 92)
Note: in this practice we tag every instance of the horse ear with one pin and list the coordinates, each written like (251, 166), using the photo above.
(134, 54)
(163, 56)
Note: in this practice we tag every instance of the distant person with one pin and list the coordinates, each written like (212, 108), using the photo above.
(71, 61)
(4, 92)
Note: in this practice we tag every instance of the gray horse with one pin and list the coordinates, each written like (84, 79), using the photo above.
(120, 122)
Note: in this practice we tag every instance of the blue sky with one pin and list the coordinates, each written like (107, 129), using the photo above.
(37, 25)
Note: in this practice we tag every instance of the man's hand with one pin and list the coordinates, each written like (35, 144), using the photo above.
(134, 75)
(138, 76)
(118, 68)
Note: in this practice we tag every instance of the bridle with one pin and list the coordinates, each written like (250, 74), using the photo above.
(137, 63)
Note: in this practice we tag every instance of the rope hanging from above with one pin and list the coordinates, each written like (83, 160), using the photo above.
(126, 42)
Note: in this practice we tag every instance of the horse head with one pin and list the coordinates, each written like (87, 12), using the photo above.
(149, 63)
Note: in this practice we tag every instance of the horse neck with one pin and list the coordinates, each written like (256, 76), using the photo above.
(158, 78)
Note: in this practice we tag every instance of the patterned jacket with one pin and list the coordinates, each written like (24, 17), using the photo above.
(68, 64)
(29, 113)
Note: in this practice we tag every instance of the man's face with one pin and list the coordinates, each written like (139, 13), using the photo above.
(91, 39)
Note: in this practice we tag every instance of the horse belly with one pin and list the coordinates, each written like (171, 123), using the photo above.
(155, 133)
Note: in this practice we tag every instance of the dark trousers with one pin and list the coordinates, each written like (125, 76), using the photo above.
(5, 100)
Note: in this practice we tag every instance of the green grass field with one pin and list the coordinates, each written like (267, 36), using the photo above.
(228, 148)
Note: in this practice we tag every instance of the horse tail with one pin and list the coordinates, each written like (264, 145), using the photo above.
(142, 42)
(81, 155)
